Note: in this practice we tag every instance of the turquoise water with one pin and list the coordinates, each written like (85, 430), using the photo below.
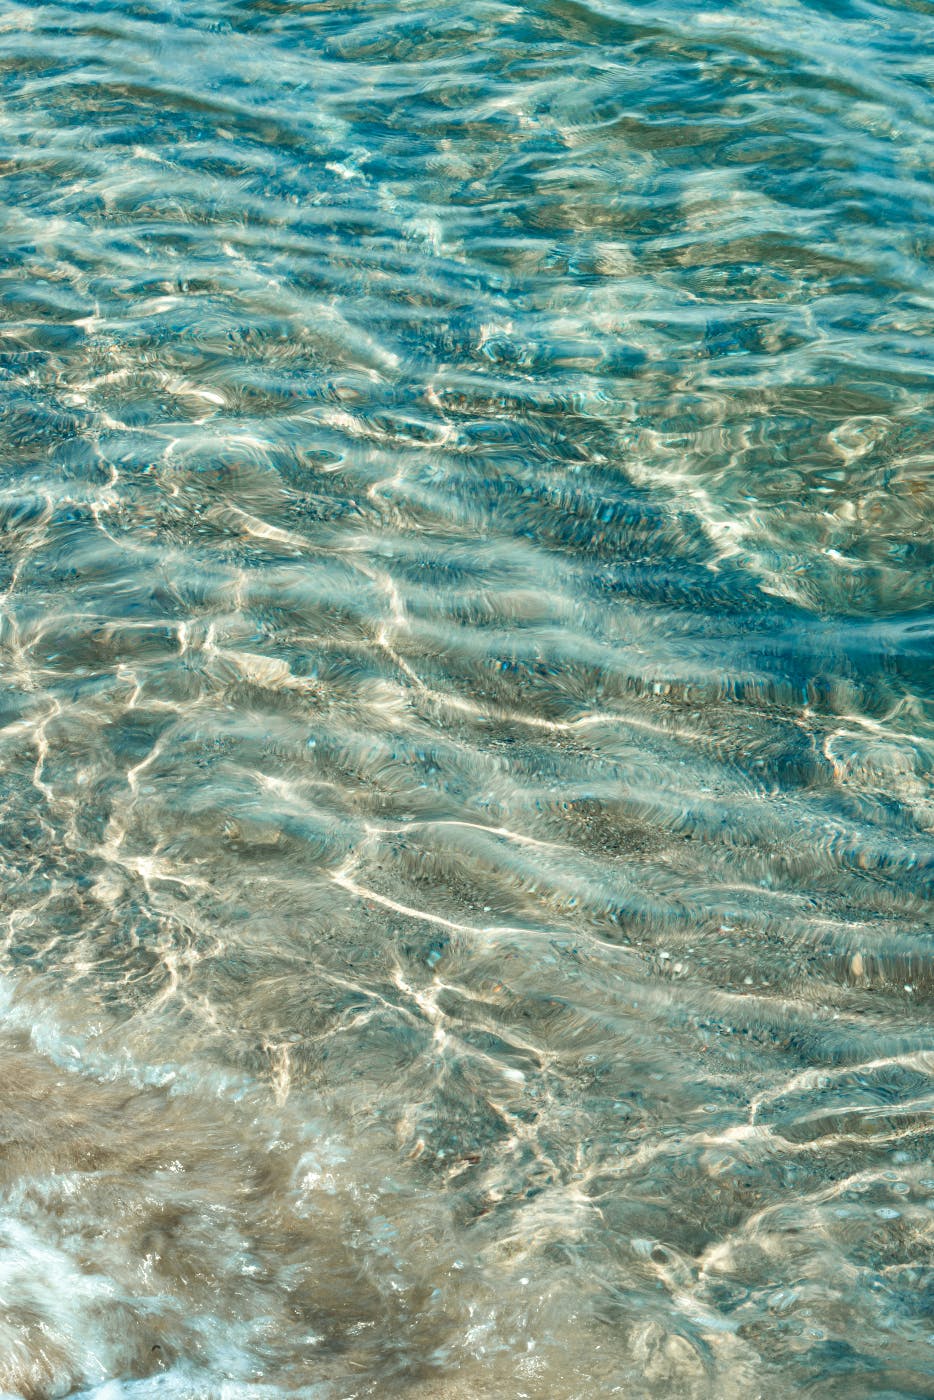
(466, 543)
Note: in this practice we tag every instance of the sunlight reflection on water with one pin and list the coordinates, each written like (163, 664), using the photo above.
(465, 717)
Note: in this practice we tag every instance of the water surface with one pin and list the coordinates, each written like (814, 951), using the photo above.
(466, 699)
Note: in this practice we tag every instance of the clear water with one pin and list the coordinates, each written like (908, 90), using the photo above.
(466, 699)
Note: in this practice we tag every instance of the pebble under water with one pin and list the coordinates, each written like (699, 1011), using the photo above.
(466, 680)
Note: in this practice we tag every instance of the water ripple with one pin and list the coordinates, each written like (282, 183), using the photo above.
(465, 709)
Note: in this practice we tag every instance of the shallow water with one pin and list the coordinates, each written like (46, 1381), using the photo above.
(466, 699)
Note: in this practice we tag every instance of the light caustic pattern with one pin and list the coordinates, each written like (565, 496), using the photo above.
(465, 707)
